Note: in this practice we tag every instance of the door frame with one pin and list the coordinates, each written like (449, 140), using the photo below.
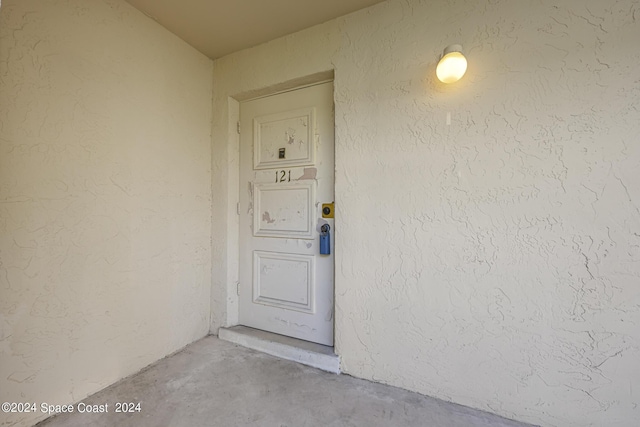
(232, 249)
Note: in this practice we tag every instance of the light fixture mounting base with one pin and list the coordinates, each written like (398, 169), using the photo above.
(452, 48)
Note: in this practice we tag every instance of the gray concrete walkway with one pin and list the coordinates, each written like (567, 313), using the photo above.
(216, 383)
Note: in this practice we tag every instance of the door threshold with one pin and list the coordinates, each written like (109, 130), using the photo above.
(304, 352)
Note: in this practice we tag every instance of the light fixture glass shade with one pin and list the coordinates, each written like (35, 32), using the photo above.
(452, 66)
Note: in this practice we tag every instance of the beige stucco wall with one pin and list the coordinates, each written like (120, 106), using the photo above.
(104, 197)
(495, 261)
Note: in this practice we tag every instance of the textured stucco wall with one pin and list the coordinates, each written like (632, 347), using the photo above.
(105, 121)
(495, 261)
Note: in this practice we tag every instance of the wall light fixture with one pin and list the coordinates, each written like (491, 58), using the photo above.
(452, 65)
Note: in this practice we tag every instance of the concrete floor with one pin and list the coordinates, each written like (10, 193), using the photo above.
(217, 383)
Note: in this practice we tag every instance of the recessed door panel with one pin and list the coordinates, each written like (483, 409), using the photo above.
(284, 139)
(284, 280)
(284, 210)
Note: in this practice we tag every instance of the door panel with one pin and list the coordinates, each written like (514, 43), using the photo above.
(295, 127)
(284, 210)
(287, 169)
(284, 280)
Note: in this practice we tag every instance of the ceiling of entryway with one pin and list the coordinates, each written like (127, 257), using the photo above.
(219, 27)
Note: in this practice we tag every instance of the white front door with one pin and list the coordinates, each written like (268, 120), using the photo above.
(286, 174)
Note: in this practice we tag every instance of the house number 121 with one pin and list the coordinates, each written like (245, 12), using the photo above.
(283, 176)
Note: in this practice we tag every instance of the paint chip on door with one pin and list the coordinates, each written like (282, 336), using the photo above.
(281, 153)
